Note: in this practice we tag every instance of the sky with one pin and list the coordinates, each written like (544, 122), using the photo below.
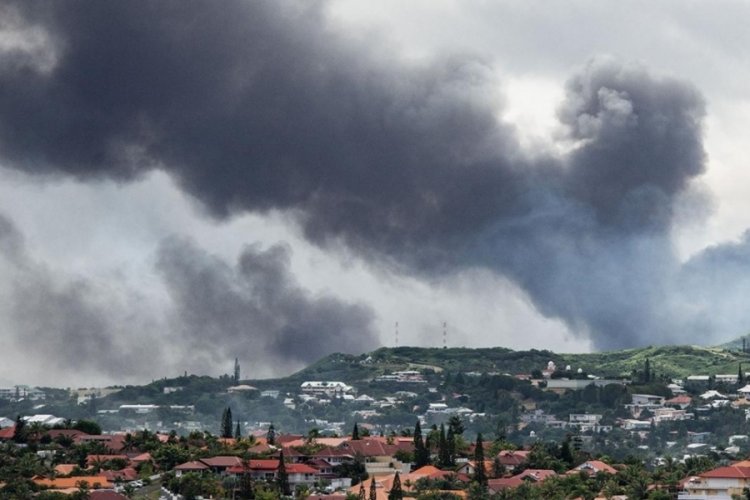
(183, 184)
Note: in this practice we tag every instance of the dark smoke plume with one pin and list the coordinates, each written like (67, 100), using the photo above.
(254, 106)
(256, 310)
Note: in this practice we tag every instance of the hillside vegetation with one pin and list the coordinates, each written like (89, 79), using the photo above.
(672, 361)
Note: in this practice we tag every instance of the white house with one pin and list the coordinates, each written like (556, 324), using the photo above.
(325, 387)
(723, 483)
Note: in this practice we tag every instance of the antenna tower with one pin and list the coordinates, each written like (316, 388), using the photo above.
(445, 335)
(396, 332)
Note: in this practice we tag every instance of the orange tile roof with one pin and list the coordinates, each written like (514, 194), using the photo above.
(729, 472)
(73, 482)
(65, 469)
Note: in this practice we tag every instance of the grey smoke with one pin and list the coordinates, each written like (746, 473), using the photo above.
(255, 311)
(259, 106)
(69, 322)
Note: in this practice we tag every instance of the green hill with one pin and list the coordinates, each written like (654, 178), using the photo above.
(674, 361)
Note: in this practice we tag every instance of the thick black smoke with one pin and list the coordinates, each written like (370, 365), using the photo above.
(254, 106)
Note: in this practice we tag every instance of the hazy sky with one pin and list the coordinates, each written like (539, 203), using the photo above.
(182, 183)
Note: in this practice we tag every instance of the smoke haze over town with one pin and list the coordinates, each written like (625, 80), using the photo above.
(182, 183)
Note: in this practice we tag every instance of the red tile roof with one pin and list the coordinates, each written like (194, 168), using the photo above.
(126, 474)
(264, 464)
(517, 480)
(71, 433)
(7, 433)
(679, 400)
(729, 472)
(300, 469)
(594, 466)
(194, 465)
(512, 458)
(222, 462)
(334, 452)
(370, 447)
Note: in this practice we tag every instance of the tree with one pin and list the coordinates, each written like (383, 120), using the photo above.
(362, 494)
(740, 377)
(396, 493)
(19, 432)
(421, 452)
(271, 435)
(443, 457)
(354, 469)
(566, 454)
(373, 490)
(450, 444)
(282, 476)
(497, 467)
(355, 432)
(226, 423)
(455, 425)
(237, 431)
(88, 426)
(480, 473)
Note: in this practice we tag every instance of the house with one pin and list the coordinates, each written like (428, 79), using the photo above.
(72, 434)
(384, 483)
(267, 470)
(593, 467)
(48, 420)
(6, 422)
(7, 433)
(62, 483)
(113, 442)
(335, 456)
(194, 466)
(682, 401)
(561, 385)
(712, 394)
(529, 475)
(301, 474)
(470, 468)
(723, 483)
(510, 459)
(64, 469)
(636, 425)
(220, 464)
(730, 379)
(671, 415)
(647, 400)
(122, 475)
(325, 387)
(241, 389)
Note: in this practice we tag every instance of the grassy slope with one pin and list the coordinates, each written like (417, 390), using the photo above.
(675, 361)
